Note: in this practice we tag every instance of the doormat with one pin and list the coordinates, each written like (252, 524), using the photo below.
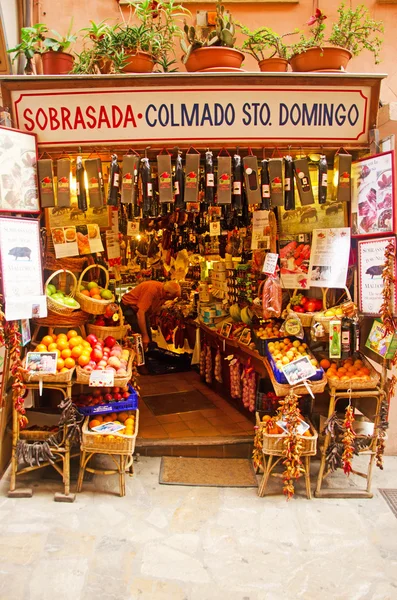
(207, 472)
(391, 498)
(177, 402)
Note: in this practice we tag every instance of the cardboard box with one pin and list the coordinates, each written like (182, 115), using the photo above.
(383, 345)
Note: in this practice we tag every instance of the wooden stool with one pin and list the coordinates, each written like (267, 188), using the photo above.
(122, 462)
(269, 466)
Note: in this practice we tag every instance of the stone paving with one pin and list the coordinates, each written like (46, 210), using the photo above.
(189, 543)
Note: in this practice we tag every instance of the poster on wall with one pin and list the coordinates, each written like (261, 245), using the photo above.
(371, 258)
(329, 258)
(373, 196)
(18, 171)
(294, 262)
(22, 273)
(80, 239)
(64, 216)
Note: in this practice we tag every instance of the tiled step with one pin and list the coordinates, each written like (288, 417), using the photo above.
(201, 447)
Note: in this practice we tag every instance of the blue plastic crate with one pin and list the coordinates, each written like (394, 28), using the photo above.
(279, 375)
(130, 403)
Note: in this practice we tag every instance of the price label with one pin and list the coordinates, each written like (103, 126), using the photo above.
(101, 379)
(133, 228)
(270, 264)
(215, 228)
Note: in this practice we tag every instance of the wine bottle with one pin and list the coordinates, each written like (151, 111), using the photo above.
(346, 338)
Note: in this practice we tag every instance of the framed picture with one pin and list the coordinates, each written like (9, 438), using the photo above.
(42, 362)
(226, 329)
(371, 259)
(245, 337)
(20, 257)
(373, 211)
(18, 171)
(59, 216)
(299, 370)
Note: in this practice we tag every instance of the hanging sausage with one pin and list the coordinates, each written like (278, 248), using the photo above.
(93, 167)
(179, 183)
(289, 187)
(147, 186)
(114, 182)
(209, 178)
(276, 181)
(303, 181)
(224, 182)
(251, 179)
(237, 199)
(265, 185)
(192, 177)
(129, 176)
(322, 179)
(80, 185)
(164, 178)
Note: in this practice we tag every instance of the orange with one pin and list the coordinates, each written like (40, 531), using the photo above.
(60, 363)
(83, 360)
(96, 297)
(94, 423)
(63, 370)
(107, 419)
(365, 370)
(41, 348)
(358, 363)
(67, 353)
(130, 422)
(69, 363)
(342, 370)
(85, 293)
(122, 416)
(71, 333)
(51, 347)
(325, 364)
(62, 336)
(62, 344)
(79, 339)
(73, 342)
(99, 418)
(47, 340)
(307, 433)
(86, 345)
(94, 292)
(76, 351)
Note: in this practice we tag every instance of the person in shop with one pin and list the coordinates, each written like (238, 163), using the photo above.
(145, 300)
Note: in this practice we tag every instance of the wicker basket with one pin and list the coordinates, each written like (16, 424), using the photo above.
(84, 377)
(348, 307)
(356, 384)
(76, 319)
(55, 306)
(282, 389)
(118, 331)
(65, 377)
(36, 434)
(305, 318)
(273, 444)
(92, 305)
(116, 443)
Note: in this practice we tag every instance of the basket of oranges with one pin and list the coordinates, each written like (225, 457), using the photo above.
(93, 298)
(355, 373)
(72, 350)
(273, 437)
(119, 442)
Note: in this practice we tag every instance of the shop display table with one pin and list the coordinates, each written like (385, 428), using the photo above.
(368, 402)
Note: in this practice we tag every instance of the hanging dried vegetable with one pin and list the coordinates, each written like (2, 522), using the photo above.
(348, 440)
(257, 453)
(202, 363)
(218, 366)
(382, 428)
(293, 444)
(249, 387)
(235, 378)
(208, 365)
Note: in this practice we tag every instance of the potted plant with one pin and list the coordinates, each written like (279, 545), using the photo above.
(152, 40)
(98, 54)
(267, 47)
(354, 32)
(31, 38)
(214, 51)
(55, 59)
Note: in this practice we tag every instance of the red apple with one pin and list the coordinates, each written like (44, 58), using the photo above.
(125, 394)
(117, 397)
(92, 339)
(108, 397)
(110, 341)
(97, 354)
(92, 364)
(116, 389)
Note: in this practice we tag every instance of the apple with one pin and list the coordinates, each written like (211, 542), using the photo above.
(117, 397)
(96, 393)
(97, 355)
(110, 341)
(108, 397)
(121, 371)
(97, 368)
(114, 362)
(126, 389)
(125, 394)
(92, 339)
(92, 364)
(102, 363)
(110, 369)
(116, 389)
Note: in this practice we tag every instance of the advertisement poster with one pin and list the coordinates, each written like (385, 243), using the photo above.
(72, 241)
(62, 216)
(22, 273)
(42, 362)
(371, 258)
(18, 172)
(260, 230)
(329, 258)
(373, 209)
(294, 264)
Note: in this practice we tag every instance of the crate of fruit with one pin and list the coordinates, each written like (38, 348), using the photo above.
(303, 308)
(93, 298)
(283, 352)
(268, 331)
(273, 438)
(108, 355)
(119, 442)
(115, 400)
(355, 373)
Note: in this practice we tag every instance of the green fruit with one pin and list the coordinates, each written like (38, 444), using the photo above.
(51, 287)
(91, 285)
(59, 298)
(106, 294)
(48, 291)
(81, 288)
(60, 292)
(70, 302)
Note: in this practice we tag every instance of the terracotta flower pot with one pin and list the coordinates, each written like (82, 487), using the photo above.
(214, 57)
(57, 63)
(273, 65)
(105, 65)
(331, 58)
(139, 62)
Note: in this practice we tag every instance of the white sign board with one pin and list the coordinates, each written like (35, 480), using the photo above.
(192, 113)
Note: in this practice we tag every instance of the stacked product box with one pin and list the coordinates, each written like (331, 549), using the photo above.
(218, 280)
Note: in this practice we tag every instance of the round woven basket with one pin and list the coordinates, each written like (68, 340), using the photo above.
(348, 308)
(55, 306)
(118, 331)
(92, 305)
(84, 377)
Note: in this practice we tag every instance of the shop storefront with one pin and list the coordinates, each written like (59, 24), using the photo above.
(263, 197)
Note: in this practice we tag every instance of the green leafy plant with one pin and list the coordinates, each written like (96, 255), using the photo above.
(31, 39)
(356, 31)
(59, 43)
(99, 54)
(316, 37)
(222, 35)
(264, 43)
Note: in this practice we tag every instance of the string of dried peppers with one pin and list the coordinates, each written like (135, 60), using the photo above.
(293, 445)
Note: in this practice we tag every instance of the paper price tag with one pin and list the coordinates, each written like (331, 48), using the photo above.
(270, 264)
(101, 379)
(215, 228)
(133, 228)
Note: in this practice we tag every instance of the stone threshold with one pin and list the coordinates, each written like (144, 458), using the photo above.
(199, 447)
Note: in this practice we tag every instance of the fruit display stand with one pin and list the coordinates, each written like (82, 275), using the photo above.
(118, 446)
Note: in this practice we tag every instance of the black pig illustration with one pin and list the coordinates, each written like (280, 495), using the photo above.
(374, 271)
(20, 252)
